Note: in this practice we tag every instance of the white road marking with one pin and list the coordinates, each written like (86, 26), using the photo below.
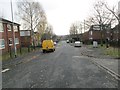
(5, 70)
(89, 50)
(79, 57)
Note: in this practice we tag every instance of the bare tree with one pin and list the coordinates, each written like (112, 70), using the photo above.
(31, 13)
(113, 10)
(48, 32)
(100, 17)
(73, 29)
(41, 27)
(116, 14)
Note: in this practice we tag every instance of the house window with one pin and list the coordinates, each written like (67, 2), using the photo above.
(108, 38)
(117, 31)
(2, 43)
(107, 31)
(16, 41)
(24, 33)
(91, 33)
(15, 28)
(9, 27)
(90, 38)
(117, 39)
(10, 42)
(1, 27)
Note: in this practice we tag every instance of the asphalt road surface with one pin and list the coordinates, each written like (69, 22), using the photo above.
(64, 68)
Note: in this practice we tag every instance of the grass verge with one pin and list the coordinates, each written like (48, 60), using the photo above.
(24, 51)
(114, 52)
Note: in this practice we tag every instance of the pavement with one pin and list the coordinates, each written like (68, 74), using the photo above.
(107, 62)
(67, 67)
(20, 59)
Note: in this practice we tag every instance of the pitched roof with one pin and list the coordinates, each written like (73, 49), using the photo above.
(7, 21)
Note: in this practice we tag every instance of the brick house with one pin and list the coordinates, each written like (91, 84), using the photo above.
(95, 34)
(25, 36)
(86, 39)
(115, 36)
(27, 39)
(115, 32)
(7, 35)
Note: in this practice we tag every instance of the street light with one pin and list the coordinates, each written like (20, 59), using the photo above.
(13, 30)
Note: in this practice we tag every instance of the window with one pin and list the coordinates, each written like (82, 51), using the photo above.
(108, 38)
(96, 27)
(8, 27)
(16, 41)
(2, 43)
(90, 38)
(117, 39)
(1, 27)
(107, 31)
(91, 33)
(117, 31)
(24, 33)
(15, 28)
(10, 42)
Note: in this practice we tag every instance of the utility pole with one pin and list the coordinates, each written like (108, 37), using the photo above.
(84, 31)
(81, 32)
(15, 50)
(101, 27)
(118, 29)
(84, 26)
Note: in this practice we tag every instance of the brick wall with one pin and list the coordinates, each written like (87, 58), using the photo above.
(6, 35)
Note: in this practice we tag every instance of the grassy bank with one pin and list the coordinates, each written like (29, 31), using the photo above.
(112, 52)
(24, 51)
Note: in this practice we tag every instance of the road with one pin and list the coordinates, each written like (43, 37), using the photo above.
(64, 68)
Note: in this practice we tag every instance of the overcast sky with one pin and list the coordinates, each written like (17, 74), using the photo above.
(60, 13)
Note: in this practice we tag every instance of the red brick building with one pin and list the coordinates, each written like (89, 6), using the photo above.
(7, 32)
(115, 36)
(95, 34)
(26, 39)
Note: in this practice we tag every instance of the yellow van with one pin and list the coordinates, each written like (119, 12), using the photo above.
(48, 45)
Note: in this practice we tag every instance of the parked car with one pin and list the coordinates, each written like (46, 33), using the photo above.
(78, 44)
(67, 41)
(55, 43)
(48, 45)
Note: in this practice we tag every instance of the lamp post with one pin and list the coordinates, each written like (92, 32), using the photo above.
(118, 29)
(15, 50)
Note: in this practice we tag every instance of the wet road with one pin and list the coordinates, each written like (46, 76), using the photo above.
(64, 68)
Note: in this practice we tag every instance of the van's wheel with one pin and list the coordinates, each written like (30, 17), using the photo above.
(43, 51)
(52, 50)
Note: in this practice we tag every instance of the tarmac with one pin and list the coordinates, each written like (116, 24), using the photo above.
(96, 55)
